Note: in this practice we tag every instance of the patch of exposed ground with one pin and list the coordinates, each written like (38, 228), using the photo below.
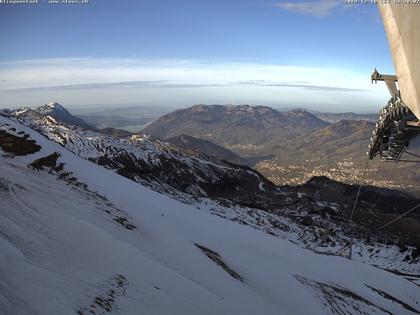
(341, 301)
(394, 299)
(105, 301)
(16, 145)
(48, 162)
(214, 256)
(4, 184)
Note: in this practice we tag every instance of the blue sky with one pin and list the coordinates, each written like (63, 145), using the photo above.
(315, 54)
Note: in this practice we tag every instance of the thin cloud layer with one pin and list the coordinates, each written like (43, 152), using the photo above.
(303, 85)
(108, 80)
(83, 73)
(114, 85)
(320, 8)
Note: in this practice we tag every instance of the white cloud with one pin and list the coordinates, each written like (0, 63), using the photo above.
(75, 72)
(319, 8)
(107, 80)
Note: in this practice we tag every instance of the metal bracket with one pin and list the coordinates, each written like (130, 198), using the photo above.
(390, 81)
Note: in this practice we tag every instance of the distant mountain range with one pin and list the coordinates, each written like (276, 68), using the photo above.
(287, 147)
(232, 125)
(336, 117)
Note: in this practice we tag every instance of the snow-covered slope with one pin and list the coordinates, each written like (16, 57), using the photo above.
(314, 216)
(95, 242)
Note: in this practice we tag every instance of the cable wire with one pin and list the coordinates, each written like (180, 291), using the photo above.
(399, 217)
(354, 207)
(413, 154)
(358, 191)
(409, 161)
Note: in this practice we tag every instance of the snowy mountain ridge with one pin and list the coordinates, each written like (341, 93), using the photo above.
(177, 260)
(49, 107)
(142, 158)
(54, 110)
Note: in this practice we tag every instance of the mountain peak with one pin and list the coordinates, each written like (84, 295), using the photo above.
(54, 104)
(54, 110)
(51, 106)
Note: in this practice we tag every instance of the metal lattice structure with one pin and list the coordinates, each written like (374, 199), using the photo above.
(393, 131)
(399, 120)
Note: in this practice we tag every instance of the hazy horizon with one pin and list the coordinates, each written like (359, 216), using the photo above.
(84, 109)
